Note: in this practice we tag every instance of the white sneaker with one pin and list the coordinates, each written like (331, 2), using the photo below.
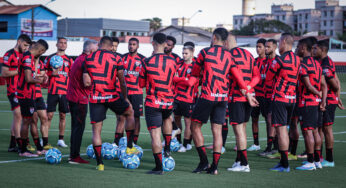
(239, 168)
(254, 148)
(223, 150)
(41, 142)
(188, 147)
(61, 143)
(175, 133)
(318, 165)
(307, 166)
(234, 165)
(182, 149)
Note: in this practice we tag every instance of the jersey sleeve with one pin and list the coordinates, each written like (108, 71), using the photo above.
(142, 75)
(274, 68)
(27, 62)
(7, 60)
(328, 70)
(197, 67)
(303, 72)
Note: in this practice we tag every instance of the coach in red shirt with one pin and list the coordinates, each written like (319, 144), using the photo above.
(77, 95)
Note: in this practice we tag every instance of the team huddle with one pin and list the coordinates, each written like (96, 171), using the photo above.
(224, 84)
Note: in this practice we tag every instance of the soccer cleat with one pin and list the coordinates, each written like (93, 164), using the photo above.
(302, 156)
(132, 151)
(176, 132)
(254, 148)
(236, 163)
(47, 147)
(212, 170)
(41, 141)
(100, 167)
(307, 166)
(13, 149)
(188, 147)
(77, 160)
(223, 150)
(276, 155)
(182, 149)
(280, 168)
(326, 163)
(30, 148)
(200, 168)
(292, 157)
(318, 165)
(156, 171)
(210, 147)
(239, 168)
(61, 143)
(27, 154)
(114, 144)
(42, 152)
(265, 152)
(166, 154)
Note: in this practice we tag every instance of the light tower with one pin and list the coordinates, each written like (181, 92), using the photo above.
(249, 7)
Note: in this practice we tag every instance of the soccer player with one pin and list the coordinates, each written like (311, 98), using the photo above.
(171, 41)
(78, 97)
(157, 76)
(333, 99)
(9, 71)
(121, 120)
(100, 72)
(216, 63)
(311, 103)
(259, 92)
(57, 89)
(27, 80)
(185, 96)
(132, 65)
(284, 71)
(270, 50)
(238, 106)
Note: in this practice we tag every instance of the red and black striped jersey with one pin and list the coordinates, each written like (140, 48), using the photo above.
(11, 60)
(312, 69)
(184, 92)
(175, 56)
(117, 83)
(245, 62)
(26, 90)
(157, 75)
(259, 88)
(217, 64)
(102, 66)
(39, 68)
(132, 68)
(284, 70)
(328, 68)
(58, 84)
(268, 84)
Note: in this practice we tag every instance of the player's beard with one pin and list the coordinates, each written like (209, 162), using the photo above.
(168, 51)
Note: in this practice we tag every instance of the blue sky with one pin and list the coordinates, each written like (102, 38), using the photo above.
(214, 11)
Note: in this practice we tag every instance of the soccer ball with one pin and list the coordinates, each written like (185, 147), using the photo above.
(56, 61)
(108, 151)
(122, 153)
(140, 154)
(175, 145)
(90, 151)
(168, 164)
(131, 162)
(53, 156)
(123, 141)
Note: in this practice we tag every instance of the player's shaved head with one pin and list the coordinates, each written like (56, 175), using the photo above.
(159, 38)
(286, 42)
(220, 34)
(231, 42)
(106, 43)
(288, 38)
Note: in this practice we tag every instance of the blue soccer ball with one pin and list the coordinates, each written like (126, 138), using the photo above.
(168, 164)
(175, 145)
(56, 61)
(108, 151)
(123, 141)
(131, 162)
(53, 156)
(140, 154)
(90, 151)
(122, 153)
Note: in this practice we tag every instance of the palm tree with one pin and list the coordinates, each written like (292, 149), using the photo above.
(155, 23)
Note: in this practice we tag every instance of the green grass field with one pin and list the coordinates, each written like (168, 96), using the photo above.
(15, 172)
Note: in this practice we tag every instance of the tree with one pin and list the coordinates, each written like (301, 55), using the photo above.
(342, 36)
(155, 23)
(263, 26)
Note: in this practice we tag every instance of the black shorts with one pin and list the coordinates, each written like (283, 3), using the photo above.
(239, 112)
(181, 108)
(98, 111)
(137, 104)
(154, 117)
(27, 107)
(53, 100)
(13, 101)
(256, 111)
(310, 117)
(205, 109)
(281, 113)
(297, 111)
(267, 106)
(329, 114)
(40, 104)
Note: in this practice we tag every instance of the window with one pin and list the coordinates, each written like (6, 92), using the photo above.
(122, 34)
(306, 26)
(235, 22)
(300, 26)
(324, 23)
(241, 22)
(114, 34)
(3, 27)
(325, 13)
(331, 23)
(332, 13)
(104, 33)
(277, 17)
(331, 33)
(128, 34)
(306, 16)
